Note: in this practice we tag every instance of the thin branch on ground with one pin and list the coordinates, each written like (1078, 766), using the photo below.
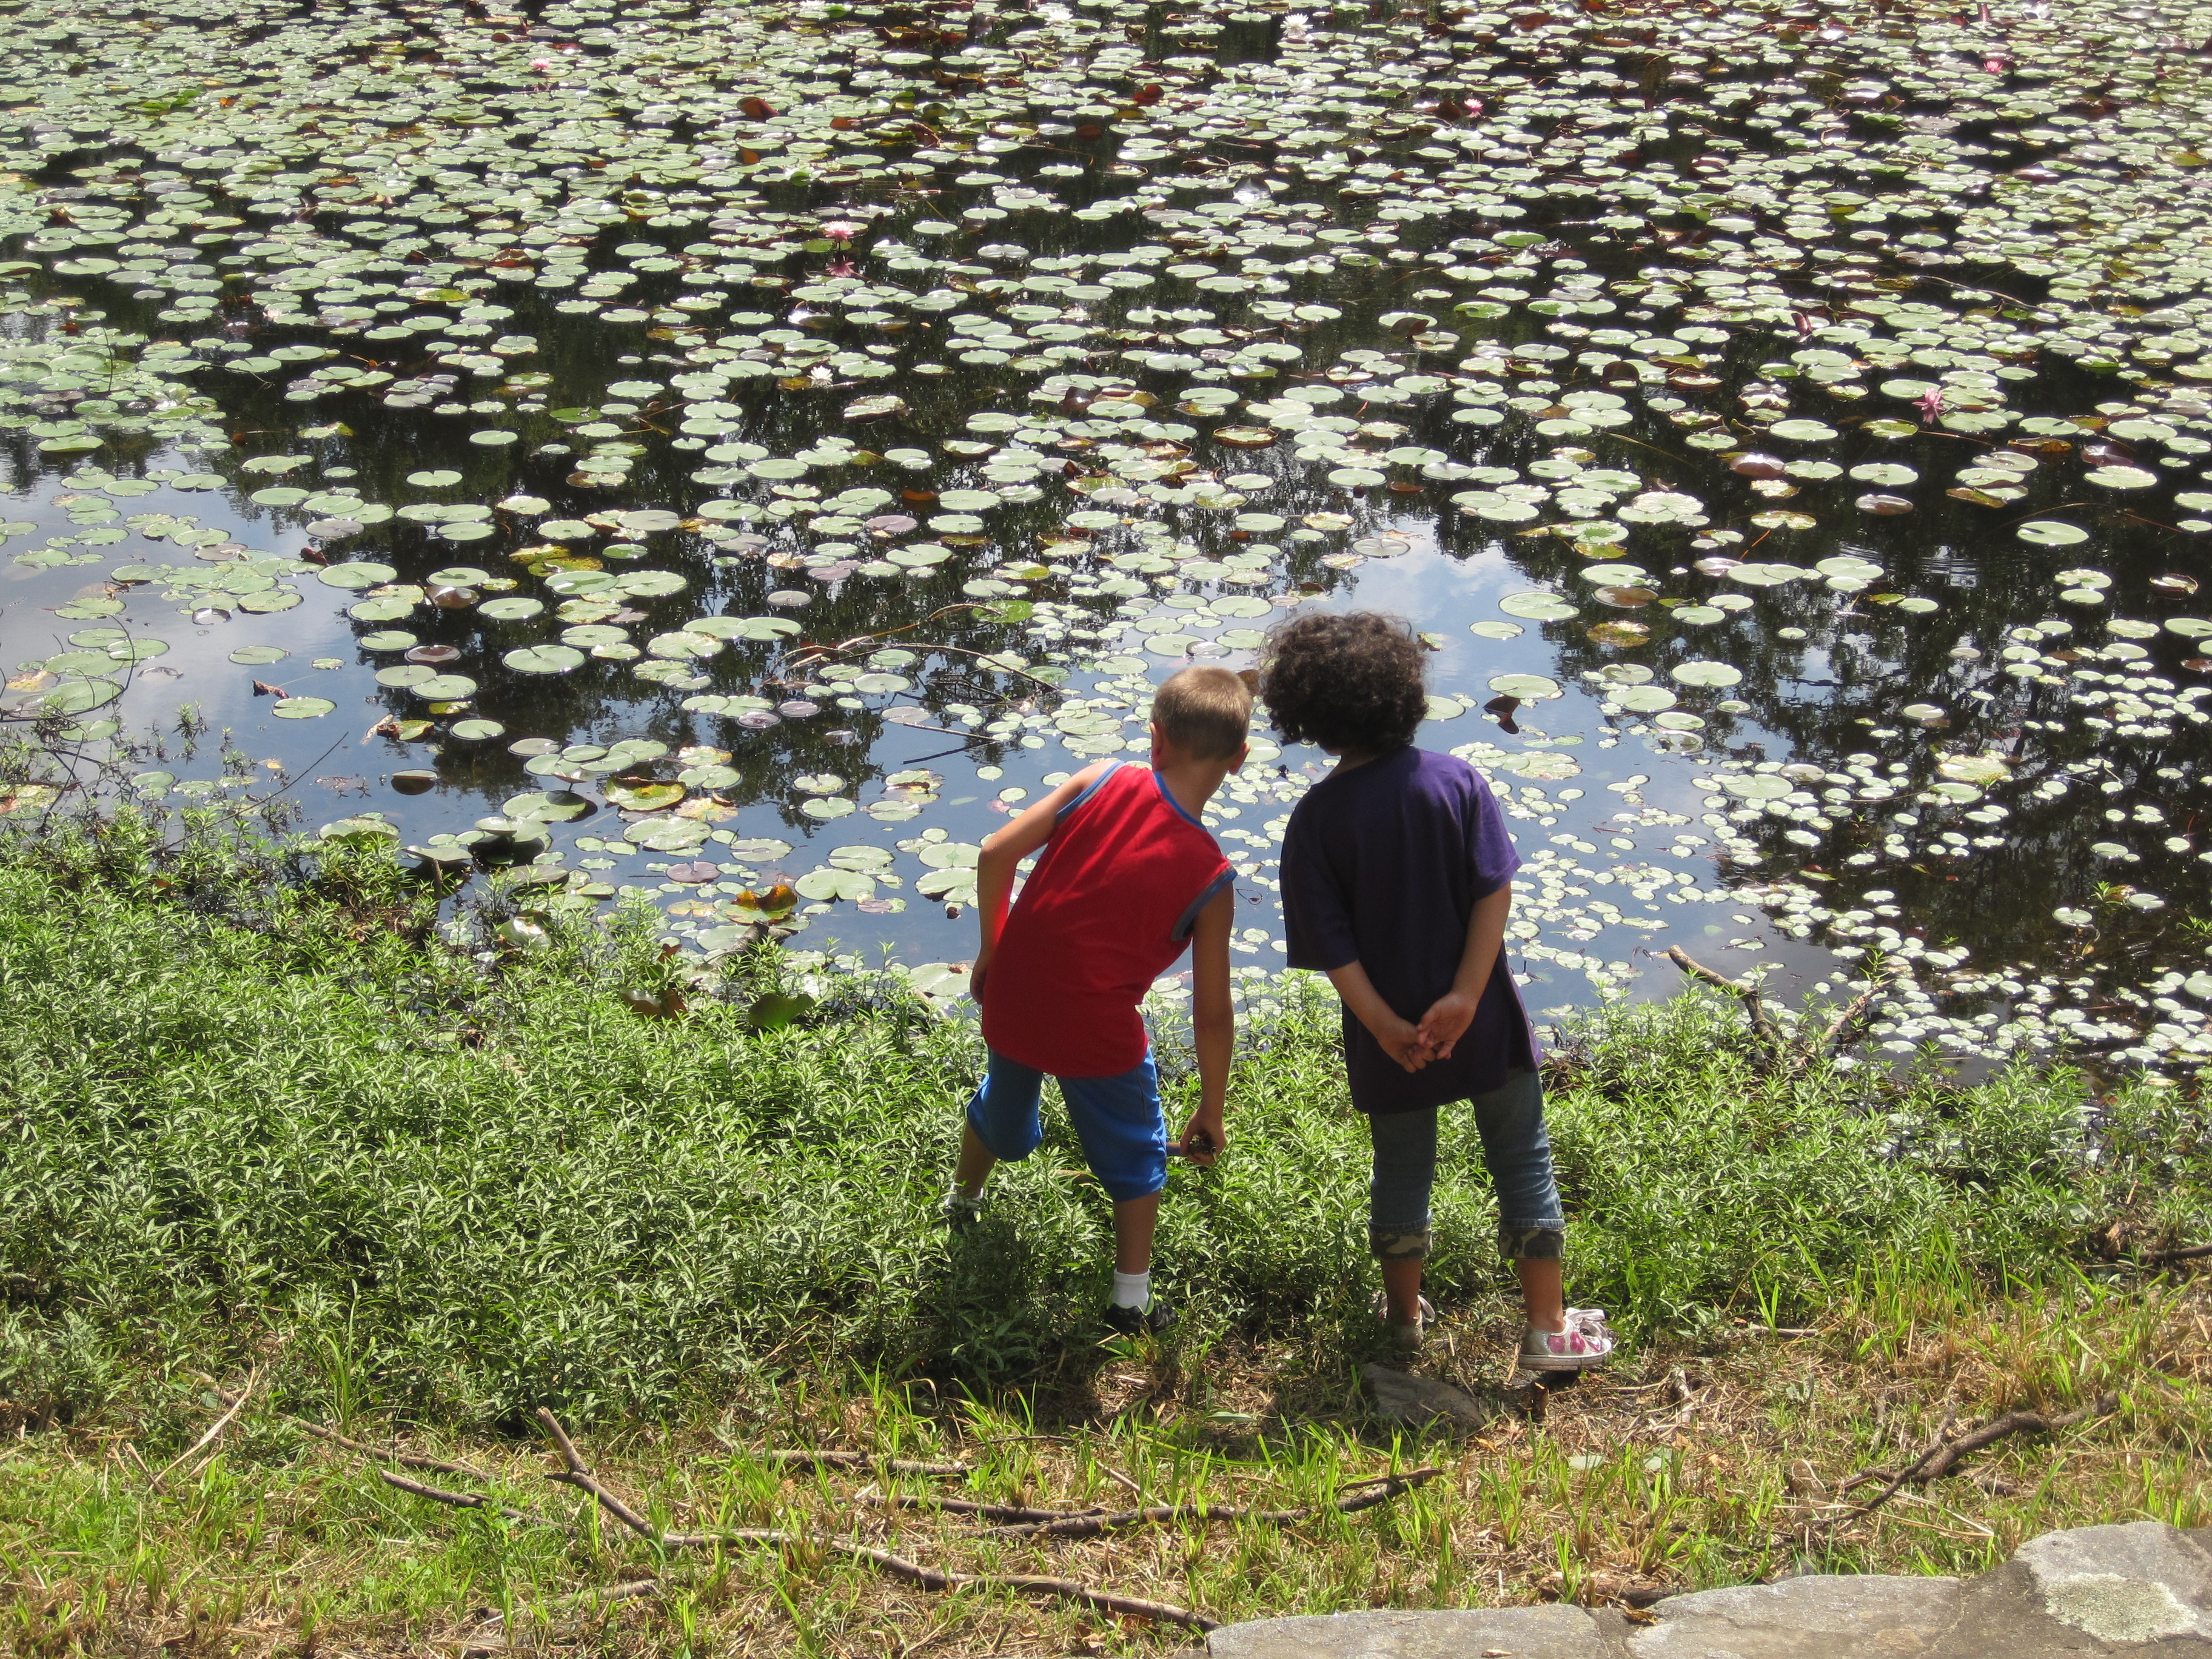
(2180, 1253)
(1944, 1454)
(936, 1578)
(579, 1474)
(2010, 1424)
(405, 1459)
(1380, 1491)
(846, 1460)
(1000, 1512)
(469, 1500)
(237, 1404)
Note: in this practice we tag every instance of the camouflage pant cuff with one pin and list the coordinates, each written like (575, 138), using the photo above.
(1538, 1243)
(1399, 1246)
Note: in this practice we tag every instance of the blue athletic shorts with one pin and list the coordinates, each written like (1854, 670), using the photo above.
(1117, 1119)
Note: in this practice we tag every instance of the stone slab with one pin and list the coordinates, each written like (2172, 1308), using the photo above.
(1552, 1632)
(1869, 1617)
(1408, 1397)
(2141, 1581)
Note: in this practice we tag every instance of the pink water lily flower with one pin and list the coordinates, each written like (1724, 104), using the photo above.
(841, 230)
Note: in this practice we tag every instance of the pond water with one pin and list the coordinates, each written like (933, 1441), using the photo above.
(737, 454)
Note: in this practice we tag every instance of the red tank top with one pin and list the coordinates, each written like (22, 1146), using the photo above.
(1109, 908)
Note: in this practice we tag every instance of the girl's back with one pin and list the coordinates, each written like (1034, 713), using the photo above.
(1383, 865)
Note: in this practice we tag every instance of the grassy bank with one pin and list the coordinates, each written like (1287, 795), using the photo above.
(265, 1123)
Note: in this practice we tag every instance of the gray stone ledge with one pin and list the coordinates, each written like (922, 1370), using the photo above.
(2139, 1588)
(1552, 1632)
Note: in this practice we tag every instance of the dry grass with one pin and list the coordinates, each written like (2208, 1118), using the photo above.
(1679, 1469)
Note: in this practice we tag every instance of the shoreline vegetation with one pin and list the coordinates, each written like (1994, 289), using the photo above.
(282, 1150)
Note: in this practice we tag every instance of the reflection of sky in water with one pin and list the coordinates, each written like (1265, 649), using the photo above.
(343, 771)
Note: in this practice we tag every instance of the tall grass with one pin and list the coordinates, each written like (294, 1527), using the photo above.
(258, 1113)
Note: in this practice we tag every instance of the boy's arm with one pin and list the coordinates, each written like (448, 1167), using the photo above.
(1005, 849)
(1399, 1038)
(1450, 1014)
(1213, 1025)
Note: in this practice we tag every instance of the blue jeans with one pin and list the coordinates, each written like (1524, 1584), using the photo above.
(1510, 1119)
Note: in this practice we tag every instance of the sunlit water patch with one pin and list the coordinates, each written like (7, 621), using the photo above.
(736, 455)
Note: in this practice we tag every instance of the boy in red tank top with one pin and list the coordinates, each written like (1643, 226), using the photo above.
(1127, 877)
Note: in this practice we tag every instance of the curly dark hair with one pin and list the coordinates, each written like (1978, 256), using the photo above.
(1350, 681)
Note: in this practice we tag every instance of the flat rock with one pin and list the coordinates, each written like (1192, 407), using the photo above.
(2142, 1582)
(1867, 1617)
(1404, 1397)
(1552, 1632)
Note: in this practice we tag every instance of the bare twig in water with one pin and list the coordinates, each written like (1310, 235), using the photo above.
(1762, 1022)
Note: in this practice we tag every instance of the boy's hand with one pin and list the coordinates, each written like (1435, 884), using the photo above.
(1204, 1138)
(1446, 1022)
(981, 967)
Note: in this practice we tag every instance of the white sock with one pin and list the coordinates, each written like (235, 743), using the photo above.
(1132, 1290)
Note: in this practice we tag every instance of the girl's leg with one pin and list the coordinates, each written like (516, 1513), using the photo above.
(1531, 1227)
(1398, 1204)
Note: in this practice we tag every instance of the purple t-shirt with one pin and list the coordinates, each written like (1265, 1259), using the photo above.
(1383, 865)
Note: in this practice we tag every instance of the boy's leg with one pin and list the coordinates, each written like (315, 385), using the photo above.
(1404, 1145)
(1001, 1123)
(1531, 1227)
(975, 1165)
(1134, 1219)
(1125, 1142)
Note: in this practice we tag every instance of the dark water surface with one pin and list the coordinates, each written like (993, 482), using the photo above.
(743, 447)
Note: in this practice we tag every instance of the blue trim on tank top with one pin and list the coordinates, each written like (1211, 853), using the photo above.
(1088, 793)
(1160, 783)
(1189, 919)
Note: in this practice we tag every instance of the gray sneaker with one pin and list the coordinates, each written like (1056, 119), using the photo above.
(959, 1212)
(1409, 1337)
(1155, 1318)
(1585, 1341)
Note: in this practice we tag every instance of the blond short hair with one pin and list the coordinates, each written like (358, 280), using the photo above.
(1205, 712)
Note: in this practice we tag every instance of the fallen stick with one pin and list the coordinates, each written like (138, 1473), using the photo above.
(939, 1578)
(2013, 1423)
(237, 1403)
(2180, 1253)
(405, 1459)
(1897, 1485)
(1006, 1512)
(579, 1474)
(1382, 1488)
(597, 1596)
(1762, 1022)
(469, 1500)
(1941, 1457)
(846, 1460)
(1067, 1590)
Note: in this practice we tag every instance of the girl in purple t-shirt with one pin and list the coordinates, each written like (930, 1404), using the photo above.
(1397, 877)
